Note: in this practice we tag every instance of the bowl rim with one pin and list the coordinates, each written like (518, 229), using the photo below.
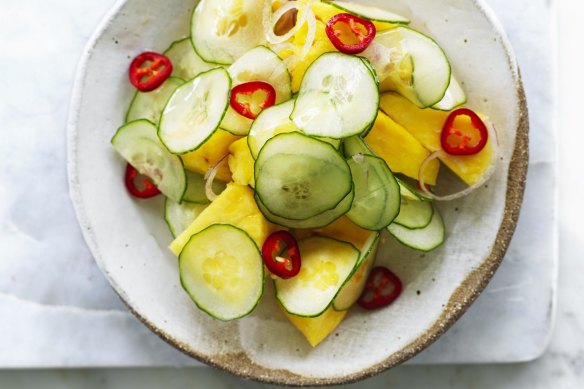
(462, 298)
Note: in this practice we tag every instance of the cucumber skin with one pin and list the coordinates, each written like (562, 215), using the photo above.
(425, 249)
(299, 223)
(212, 132)
(163, 146)
(337, 6)
(336, 294)
(257, 169)
(366, 128)
(127, 117)
(394, 186)
(262, 271)
(373, 246)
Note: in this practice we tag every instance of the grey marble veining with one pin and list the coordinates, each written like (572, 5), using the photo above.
(58, 310)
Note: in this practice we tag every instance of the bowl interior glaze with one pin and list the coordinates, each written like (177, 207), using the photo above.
(129, 238)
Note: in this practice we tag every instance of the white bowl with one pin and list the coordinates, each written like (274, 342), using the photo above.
(129, 238)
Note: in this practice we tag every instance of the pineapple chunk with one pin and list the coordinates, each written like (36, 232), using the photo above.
(209, 154)
(316, 329)
(235, 206)
(400, 149)
(241, 163)
(320, 46)
(426, 125)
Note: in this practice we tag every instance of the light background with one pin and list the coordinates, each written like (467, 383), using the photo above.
(562, 366)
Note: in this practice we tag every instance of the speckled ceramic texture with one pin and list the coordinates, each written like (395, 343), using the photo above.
(129, 238)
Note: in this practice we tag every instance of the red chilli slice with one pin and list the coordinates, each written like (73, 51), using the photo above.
(242, 98)
(458, 141)
(383, 288)
(149, 70)
(361, 30)
(281, 254)
(147, 189)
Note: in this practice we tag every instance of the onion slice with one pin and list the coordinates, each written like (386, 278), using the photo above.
(311, 34)
(210, 177)
(441, 153)
(270, 20)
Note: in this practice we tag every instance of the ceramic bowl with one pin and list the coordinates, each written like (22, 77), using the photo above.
(129, 238)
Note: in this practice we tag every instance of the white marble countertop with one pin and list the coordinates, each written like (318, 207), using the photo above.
(562, 365)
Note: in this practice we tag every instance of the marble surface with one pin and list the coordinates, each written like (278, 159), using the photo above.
(77, 303)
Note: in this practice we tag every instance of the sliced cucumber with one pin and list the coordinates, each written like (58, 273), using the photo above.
(259, 64)
(414, 213)
(408, 192)
(338, 97)
(326, 264)
(138, 144)
(410, 63)
(186, 63)
(194, 111)
(370, 13)
(196, 188)
(355, 145)
(271, 122)
(422, 239)
(149, 105)
(224, 30)
(222, 270)
(298, 177)
(453, 97)
(352, 289)
(179, 216)
(317, 221)
(377, 198)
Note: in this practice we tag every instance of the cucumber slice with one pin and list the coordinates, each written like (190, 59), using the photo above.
(414, 214)
(317, 221)
(453, 97)
(138, 144)
(222, 270)
(224, 30)
(326, 264)
(352, 289)
(422, 239)
(186, 63)
(338, 97)
(298, 177)
(194, 111)
(417, 68)
(408, 192)
(273, 121)
(195, 192)
(355, 145)
(259, 64)
(377, 198)
(149, 105)
(179, 216)
(370, 13)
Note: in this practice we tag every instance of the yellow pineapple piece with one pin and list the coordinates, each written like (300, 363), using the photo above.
(320, 46)
(209, 154)
(235, 206)
(241, 163)
(400, 149)
(316, 329)
(426, 125)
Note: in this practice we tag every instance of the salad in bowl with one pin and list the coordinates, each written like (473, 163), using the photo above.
(317, 162)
